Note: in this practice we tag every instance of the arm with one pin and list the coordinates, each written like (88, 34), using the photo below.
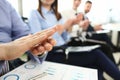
(70, 22)
(34, 23)
(85, 24)
(18, 27)
(90, 28)
(35, 26)
(97, 27)
(37, 43)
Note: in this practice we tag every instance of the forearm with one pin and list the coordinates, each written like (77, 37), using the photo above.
(2, 51)
(68, 24)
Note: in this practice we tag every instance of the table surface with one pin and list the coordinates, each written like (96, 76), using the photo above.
(112, 26)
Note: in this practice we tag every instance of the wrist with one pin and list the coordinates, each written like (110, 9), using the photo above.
(3, 52)
(42, 55)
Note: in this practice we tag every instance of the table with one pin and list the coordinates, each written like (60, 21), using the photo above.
(50, 71)
(114, 27)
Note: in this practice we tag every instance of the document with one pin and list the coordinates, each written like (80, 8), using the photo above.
(50, 71)
(82, 48)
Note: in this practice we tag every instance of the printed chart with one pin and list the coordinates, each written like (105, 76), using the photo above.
(50, 71)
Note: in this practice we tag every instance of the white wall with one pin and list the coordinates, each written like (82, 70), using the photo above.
(99, 12)
(14, 4)
(64, 4)
(28, 5)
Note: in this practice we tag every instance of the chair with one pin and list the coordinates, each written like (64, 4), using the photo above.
(81, 40)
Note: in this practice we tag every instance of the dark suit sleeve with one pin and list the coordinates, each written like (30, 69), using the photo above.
(90, 28)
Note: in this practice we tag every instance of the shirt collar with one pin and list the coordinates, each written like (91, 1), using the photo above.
(45, 11)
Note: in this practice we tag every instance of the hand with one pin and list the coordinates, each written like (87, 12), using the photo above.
(45, 46)
(97, 27)
(84, 24)
(37, 43)
(70, 22)
(78, 18)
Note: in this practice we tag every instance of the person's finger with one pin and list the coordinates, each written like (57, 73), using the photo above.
(36, 39)
(45, 34)
(38, 50)
(49, 31)
(41, 48)
(47, 46)
(55, 28)
(34, 51)
(52, 41)
(22, 39)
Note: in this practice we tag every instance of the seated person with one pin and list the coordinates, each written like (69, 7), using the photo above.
(34, 43)
(46, 16)
(101, 37)
(85, 26)
(11, 27)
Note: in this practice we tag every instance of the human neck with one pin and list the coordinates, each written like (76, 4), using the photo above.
(74, 8)
(48, 7)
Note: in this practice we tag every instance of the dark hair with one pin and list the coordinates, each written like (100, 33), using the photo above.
(88, 2)
(54, 6)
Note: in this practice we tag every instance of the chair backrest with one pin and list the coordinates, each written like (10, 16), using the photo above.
(25, 19)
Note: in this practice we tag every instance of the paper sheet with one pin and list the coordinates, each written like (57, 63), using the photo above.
(50, 71)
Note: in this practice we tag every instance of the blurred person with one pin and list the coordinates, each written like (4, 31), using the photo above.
(84, 26)
(101, 37)
(66, 14)
(46, 16)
